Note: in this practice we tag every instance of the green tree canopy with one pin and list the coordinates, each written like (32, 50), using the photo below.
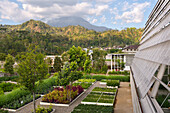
(32, 69)
(9, 62)
(57, 64)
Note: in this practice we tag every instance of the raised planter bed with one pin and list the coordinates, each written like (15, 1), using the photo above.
(16, 110)
(103, 83)
(54, 104)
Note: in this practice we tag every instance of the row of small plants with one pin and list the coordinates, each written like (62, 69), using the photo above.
(43, 87)
(61, 95)
(120, 72)
(6, 87)
(110, 77)
(20, 102)
(44, 110)
(81, 108)
(86, 80)
(100, 89)
(99, 97)
(7, 78)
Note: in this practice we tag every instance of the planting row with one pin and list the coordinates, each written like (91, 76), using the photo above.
(110, 77)
(81, 108)
(98, 97)
(100, 89)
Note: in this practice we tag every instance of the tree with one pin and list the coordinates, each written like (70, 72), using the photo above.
(77, 55)
(65, 57)
(57, 64)
(32, 69)
(2, 56)
(87, 66)
(9, 62)
(68, 75)
(49, 62)
(99, 60)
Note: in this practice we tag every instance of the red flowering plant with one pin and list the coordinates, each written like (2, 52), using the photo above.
(60, 95)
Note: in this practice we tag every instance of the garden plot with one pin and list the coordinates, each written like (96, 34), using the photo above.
(101, 96)
(85, 83)
(61, 96)
(81, 108)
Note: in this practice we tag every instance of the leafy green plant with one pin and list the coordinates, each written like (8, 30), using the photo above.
(44, 110)
(113, 83)
(6, 87)
(3, 111)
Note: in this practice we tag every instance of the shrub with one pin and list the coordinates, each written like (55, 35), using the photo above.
(1, 91)
(44, 110)
(6, 87)
(113, 83)
(6, 78)
(46, 85)
(120, 72)
(3, 111)
(14, 95)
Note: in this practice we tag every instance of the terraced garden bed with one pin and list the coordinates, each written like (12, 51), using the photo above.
(101, 96)
(81, 108)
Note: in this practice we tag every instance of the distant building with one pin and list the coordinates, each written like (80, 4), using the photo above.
(131, 49)
(52, 57)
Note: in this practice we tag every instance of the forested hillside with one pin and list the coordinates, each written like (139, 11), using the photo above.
(52, 40)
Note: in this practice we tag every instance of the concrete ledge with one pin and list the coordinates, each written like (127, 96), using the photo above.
(105, 104)
(92, 103)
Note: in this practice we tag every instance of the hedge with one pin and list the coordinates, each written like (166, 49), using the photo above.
(120, 72)
(6, 78)
(113, 83)
(43, 87)
(110, 77)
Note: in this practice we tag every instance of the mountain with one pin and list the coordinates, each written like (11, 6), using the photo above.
(71, 20)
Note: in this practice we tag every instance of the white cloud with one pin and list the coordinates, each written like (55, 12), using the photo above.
(114, 11)
(94, 21)
(114, 22)
(38, 9)
(0, 20)
(11, 10)
(98, 9)
(135, 14)
(103, 19)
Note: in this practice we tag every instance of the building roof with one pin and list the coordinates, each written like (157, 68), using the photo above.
(132, 47)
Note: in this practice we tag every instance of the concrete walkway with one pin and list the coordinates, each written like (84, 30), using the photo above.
(124, 99)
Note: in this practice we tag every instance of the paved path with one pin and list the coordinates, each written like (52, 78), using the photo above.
(28, 108)
(124, 99)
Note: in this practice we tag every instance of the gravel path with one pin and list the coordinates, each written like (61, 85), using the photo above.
(28, 108)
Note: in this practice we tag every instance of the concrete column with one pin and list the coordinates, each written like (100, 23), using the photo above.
(156, 84)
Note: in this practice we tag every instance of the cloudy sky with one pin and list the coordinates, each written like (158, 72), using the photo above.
(115, 14)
